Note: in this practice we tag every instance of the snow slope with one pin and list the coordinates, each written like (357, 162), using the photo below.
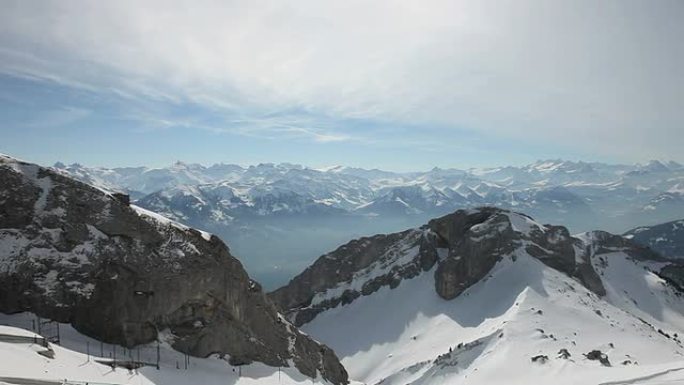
(20, 360)
(521, 310)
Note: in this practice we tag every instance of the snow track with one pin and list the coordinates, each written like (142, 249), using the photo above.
(666, 376)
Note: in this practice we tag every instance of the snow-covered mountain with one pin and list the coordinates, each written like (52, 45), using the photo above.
(76, 254)
(478, 296)
(281, 203)
(221, 203)
(665, 238)
(618, 193)
(144, 180)
(491, 296)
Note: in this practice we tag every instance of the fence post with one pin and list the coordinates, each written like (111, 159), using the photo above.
(88, 350)
(158, 355)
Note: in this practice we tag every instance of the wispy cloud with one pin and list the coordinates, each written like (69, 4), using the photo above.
(58, 118)
(275, 127)
(580, 73)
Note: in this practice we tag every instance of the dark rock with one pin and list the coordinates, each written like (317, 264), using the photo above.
(48, 353)
(597, 355)
(540, 359)
(123, 198)
(473, 251)
(665, 238)
(674, 275)
(85, 258)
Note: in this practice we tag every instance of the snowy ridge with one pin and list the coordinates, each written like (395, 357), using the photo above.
(408, 335)
(163, 221)
(552, 308)
(402, 258)
(396, 258)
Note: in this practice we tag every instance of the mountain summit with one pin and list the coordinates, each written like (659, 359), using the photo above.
(491, 296)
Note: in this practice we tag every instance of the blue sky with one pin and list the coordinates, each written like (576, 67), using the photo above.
(394, 85)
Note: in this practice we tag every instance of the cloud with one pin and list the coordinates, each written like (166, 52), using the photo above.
(57, 118)
(275, 127)
(605, 76)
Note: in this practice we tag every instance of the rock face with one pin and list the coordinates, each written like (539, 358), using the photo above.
(459, 249)
(666, 238)
(475, 242)
(76, 254)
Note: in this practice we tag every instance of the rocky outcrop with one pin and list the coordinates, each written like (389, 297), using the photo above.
(475, 241)
(376, 255)
(76, 254)
(665, 238)
(459, 249)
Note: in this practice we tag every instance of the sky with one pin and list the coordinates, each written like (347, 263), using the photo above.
(393, 84)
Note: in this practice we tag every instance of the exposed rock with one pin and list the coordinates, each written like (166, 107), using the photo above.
(665, 238)
(365, 254)
(564, 354)
(597, 355)
(123, 198)
(459, 249)
(48, 353)
(121, 274)
(540, 359)
(604, 242)
(476, 242)
(674, 274)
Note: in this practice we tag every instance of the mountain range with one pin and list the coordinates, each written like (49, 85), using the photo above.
(275, 205)
(477, 296)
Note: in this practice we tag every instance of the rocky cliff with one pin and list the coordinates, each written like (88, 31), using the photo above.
(459, 249)
(77, 254)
